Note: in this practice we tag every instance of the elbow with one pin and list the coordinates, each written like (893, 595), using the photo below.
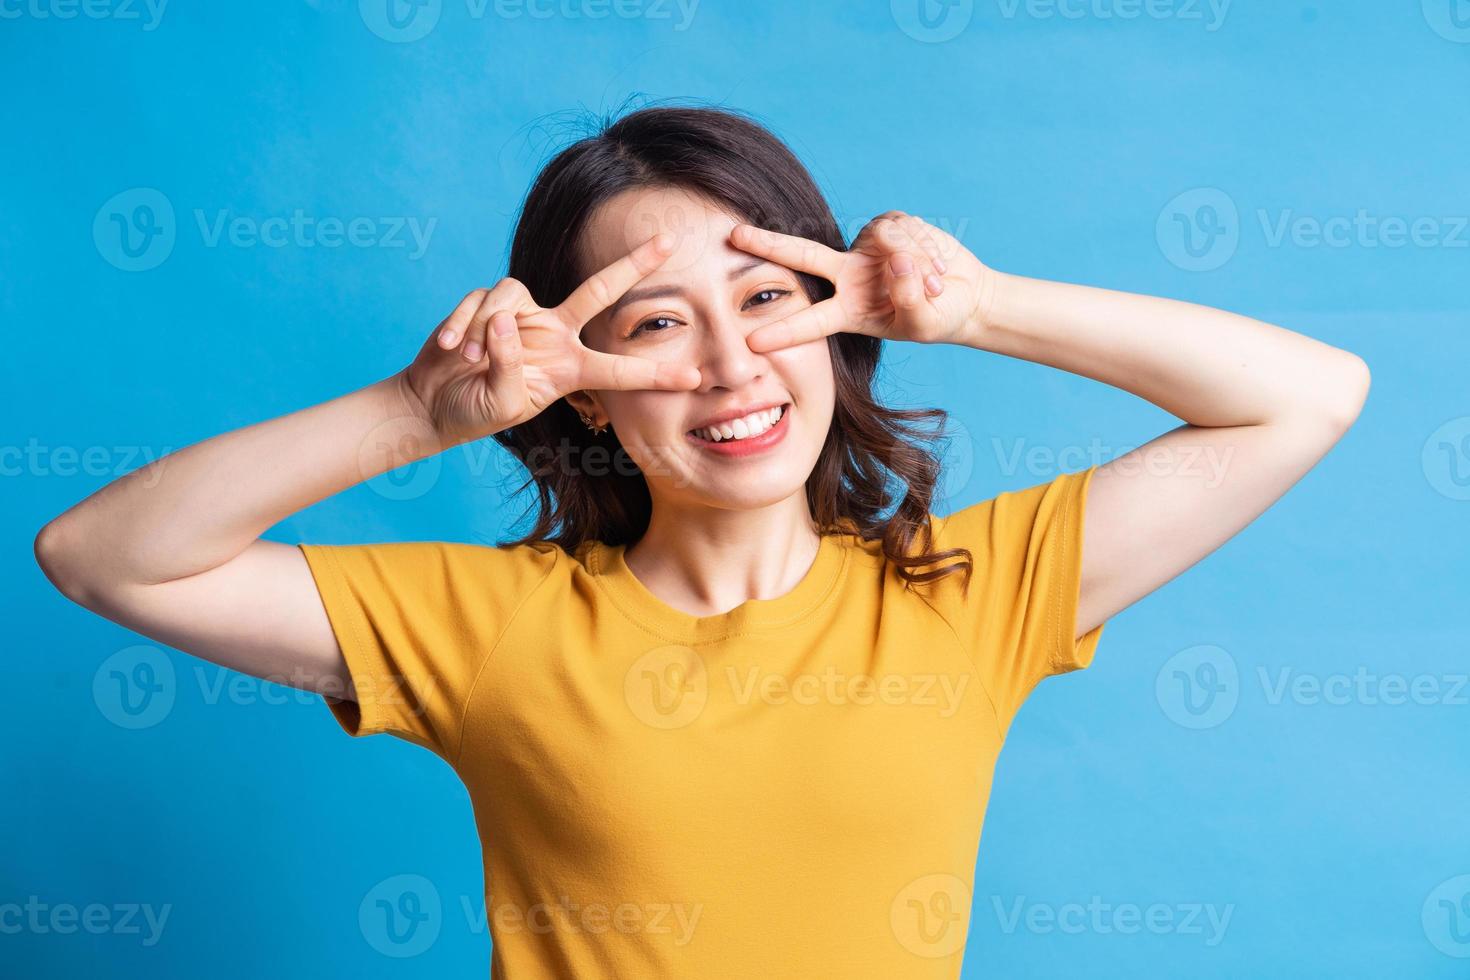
(55, 556)
(1342, 400)
(1360, 379)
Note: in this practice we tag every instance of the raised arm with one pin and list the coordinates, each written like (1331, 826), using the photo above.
(173, 550)
(1261, 405)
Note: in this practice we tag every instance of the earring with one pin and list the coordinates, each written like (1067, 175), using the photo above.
(597, 429)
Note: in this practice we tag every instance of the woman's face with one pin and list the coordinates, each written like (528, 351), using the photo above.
(697, 308)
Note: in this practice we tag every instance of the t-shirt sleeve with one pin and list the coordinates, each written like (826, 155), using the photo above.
(416, 621)
(1019, 618)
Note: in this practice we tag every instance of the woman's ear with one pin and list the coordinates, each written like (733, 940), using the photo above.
(587, 404)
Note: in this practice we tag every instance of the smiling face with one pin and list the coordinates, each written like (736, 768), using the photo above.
(697, 308)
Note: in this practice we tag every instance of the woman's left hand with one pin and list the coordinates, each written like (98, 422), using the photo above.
(902, 279)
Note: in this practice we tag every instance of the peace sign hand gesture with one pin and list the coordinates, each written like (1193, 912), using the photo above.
(535, 355)
(880, 292)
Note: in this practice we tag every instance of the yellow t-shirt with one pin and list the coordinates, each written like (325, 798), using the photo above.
(793, 788)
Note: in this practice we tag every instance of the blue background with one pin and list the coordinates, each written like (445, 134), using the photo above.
(1054, 142)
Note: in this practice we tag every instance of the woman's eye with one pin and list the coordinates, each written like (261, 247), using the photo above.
(774, 293)
(651, 324)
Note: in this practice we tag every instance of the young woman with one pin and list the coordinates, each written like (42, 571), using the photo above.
(731, 708)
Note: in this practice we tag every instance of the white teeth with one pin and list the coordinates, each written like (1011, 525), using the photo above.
(743, 428)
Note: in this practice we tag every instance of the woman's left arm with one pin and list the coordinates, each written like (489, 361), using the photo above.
(1262, 405)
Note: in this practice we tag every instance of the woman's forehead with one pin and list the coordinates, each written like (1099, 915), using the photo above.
(701, 228)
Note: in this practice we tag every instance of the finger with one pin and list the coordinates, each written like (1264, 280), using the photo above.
(622, 372)
(801, 254)
(911, 308)
(507, 294)
(603, 287)
(928, 270)
(801, 327)
(451, 329)
(510, 295)
(506, 359)
(920, 231)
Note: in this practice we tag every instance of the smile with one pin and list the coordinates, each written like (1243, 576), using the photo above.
(743, 436)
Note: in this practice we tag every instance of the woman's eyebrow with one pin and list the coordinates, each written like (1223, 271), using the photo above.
(673, 289)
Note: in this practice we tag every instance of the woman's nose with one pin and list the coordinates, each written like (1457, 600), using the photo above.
(723, 357)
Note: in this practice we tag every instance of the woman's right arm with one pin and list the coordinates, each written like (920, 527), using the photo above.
(173, 550)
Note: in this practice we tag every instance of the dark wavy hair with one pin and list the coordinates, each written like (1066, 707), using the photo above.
(875, 474)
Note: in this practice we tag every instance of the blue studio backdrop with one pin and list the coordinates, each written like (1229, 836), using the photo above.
(216, 213)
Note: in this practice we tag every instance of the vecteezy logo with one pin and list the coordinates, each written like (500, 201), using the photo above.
(932, 21)
(1446, 917)
(1446, 459)
(135, 230)
(930, 915)
(667, 687)
(134, 688)
(1450, 19)
(395, 439)
(1198, 687)
(401, 916)
(1199, 230)
(400, 21)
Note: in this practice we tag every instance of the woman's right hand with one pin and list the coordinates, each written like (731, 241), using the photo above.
(499, 359)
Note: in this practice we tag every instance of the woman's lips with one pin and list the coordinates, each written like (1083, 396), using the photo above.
(748, 445)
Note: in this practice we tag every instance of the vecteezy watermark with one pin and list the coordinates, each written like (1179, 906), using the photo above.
(136, 230)
(39, 918)
(930, 915)
(1446, 459)
(38, 460)
(404, 21)
(1200, 230)
(147, 13)
(1450, 19)
(675, 921)
(667, 687)
(932, 21)
(1207, 463)
(1210, 14)
(1445, 917)
(137, 687)
(936, 21)
(1363, 687)
(1206, 920)
(1201, 686)
(1198, 687)
(670, 686)
(398, 459)
(404, 915)
(401, 916)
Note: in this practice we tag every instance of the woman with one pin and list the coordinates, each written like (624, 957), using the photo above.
(731, 708)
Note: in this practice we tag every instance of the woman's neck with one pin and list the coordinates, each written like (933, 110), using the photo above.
(704, 561)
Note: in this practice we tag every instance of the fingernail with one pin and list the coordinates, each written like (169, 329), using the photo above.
(940, 266)
(471, 350)
(503, 325)
(902, 265)
(936, 285)
(448, 337)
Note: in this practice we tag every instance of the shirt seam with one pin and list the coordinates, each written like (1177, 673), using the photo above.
(464, 708)
(1061, 575)
(974, 663)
